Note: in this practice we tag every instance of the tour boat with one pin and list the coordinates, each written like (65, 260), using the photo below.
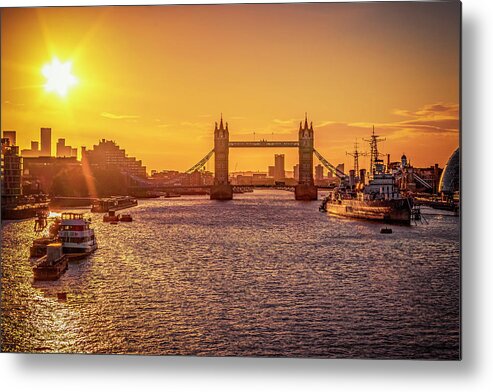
(76, 236)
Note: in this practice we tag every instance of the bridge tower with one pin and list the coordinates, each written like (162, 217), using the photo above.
(306, 189)
(222, 189)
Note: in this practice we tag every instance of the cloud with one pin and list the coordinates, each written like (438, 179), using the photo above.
(438, 118)
(285, 122)
(118, 116)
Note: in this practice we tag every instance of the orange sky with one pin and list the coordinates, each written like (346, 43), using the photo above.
(154, 79)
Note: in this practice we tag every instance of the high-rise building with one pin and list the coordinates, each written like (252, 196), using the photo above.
(10, 173)
(279, 173)
(271, 170)
(319, 172)
(11, 136)
(45, 142)
(64, 151)
(340, 167)
(32, 152)
(108, 154)
(296, 171)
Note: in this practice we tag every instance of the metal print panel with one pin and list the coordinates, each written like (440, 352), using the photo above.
(232, 180)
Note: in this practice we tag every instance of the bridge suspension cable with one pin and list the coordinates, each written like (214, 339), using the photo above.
(201, 163)
(328, 165)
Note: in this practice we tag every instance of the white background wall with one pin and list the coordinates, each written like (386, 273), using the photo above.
(20, 372)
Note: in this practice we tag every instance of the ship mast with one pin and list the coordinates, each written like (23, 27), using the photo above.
(356, 154)
(374, 154)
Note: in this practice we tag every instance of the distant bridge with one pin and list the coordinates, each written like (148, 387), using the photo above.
(223, 189)
(264, 143)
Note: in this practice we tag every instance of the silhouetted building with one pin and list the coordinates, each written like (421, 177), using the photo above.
(39, 172)
(450, 179)
(279, 173)
(340, 167)
(11, 135)
(271, 171)
(296, 172)
(33, 151)
(10, 173)
(319, 172)
(64, 151)
(45, 142)
(108, 154)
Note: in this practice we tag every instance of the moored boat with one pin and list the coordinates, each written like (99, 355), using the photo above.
(111, 217)
(52, 265)
(126, 218)
(379, 200)
(76, 236)
(114, 203)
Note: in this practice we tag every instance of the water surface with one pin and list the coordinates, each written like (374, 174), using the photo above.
(262, 275)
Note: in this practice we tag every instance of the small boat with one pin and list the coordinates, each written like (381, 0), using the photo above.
(111, 217)
(386, 230)
(168, 195)
(113, 222)
(126, 218)
(39, 246)
(52, 265)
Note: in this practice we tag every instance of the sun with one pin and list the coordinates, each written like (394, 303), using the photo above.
(59, 77)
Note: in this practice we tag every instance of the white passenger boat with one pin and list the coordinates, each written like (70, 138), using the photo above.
(76, 236)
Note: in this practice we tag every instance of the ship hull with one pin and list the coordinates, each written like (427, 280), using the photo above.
(388, 211)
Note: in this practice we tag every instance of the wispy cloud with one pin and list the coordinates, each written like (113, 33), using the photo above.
(285, 122)
(118, 116)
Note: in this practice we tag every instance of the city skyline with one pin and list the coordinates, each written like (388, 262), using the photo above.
(171, 73)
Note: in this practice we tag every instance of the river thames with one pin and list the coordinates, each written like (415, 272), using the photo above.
(262, 275)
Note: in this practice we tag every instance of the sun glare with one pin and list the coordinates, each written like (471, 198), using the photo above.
(59, 77)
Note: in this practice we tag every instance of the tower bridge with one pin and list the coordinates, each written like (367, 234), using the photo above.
(305, 190)
(222, 188)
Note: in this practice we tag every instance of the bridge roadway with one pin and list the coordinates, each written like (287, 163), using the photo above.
(165, 188)
(264, 143)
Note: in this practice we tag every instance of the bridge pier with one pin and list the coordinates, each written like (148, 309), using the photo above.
(222, 192)
(305, 192)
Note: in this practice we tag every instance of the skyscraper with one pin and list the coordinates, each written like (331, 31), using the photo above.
(279, 173)
(45, 142)
(319, 172)
(11, 136)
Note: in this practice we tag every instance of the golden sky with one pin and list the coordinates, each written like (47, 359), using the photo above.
(154, 79)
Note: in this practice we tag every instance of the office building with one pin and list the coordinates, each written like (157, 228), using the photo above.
(11, 135)
(279, 173)
(45, 142)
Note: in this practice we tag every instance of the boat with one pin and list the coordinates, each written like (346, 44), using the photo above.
(111, 217)
(126, 218)
(386, 230)
(52, 265)
(380, 200)
(169, 195)
(114, 203)
(38, 248)
(76, 236)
